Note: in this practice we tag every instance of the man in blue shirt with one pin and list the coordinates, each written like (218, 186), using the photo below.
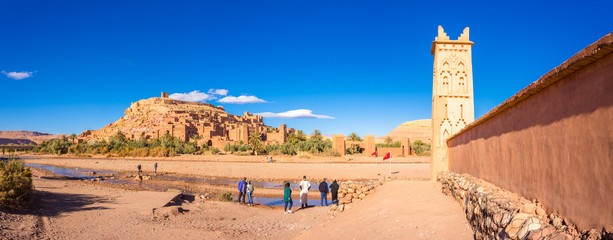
(242, 190)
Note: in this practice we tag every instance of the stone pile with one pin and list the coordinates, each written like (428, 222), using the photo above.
(494, 213)
(351, 192)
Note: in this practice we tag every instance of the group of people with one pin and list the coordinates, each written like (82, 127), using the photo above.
(155, 168)
(246, 188)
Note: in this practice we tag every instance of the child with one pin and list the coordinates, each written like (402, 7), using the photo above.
(287, 198)
(250, 193)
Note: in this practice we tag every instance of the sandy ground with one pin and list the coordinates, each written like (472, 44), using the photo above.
(233, 169)
(72, 209)
(398, 210)
(261, 158)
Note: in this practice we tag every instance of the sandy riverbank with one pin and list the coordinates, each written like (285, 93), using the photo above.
(250, 168)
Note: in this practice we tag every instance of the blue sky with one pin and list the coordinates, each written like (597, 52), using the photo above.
(367, 64)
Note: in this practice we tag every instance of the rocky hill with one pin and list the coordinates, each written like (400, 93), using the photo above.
(152, 118)
(415, 130)
(25, 137)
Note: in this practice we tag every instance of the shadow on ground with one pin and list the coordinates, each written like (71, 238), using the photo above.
(52, 204)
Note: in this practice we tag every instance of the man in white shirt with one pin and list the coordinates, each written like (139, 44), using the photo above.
(305, 186)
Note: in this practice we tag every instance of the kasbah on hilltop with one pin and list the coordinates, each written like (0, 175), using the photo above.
(521, 171)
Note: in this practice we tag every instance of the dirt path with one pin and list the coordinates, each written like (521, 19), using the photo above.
(70, 209)
(398, 210)
(283, 171)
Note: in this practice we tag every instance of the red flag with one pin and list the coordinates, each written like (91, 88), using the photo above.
(387, 156)
(374, 154)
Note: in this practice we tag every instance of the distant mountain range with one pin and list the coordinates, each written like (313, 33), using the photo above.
(414, 130)
(25, 137)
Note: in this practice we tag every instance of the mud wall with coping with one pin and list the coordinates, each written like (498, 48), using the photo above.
(395, 152)
(552, 141)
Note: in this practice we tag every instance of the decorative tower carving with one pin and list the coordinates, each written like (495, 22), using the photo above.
(452, 94)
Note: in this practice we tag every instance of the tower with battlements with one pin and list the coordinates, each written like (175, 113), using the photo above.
(452, 94)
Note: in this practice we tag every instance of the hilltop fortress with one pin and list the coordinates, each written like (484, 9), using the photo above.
(152, 118)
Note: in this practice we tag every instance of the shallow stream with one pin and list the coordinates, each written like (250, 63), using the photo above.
(88, 174)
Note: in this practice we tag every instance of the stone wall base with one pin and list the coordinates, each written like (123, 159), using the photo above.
(495, 213)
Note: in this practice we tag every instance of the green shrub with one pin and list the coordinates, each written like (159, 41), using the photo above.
(15, 184)
(225, 197)
(421, 148)
(395, 144)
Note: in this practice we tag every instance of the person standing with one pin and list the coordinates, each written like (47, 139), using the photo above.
(242, 190)
(155, 168)
(305, 186)
(138, 167)
(287, 198)
(323, 190)
(250, 193)
(334, 191)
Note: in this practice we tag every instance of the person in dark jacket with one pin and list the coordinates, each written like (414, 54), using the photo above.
(242, 190)
(155, 168)
(334, 191)
(138, 169)
(323, 189)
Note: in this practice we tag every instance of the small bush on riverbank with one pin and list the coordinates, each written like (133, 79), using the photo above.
(15, 184)
(421, 148)
(225, 197)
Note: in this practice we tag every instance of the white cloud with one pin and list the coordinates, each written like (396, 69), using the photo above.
(193, 96)
(241, 99)
(298, 113)
(17, 75)
(221, 92)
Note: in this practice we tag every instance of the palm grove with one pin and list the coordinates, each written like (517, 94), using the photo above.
(167, 146)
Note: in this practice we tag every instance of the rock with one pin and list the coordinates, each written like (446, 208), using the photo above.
(539, 234)
(341, 195)
(591, 235)
(540, 211)
(166, 212)
(557, 222)
(355, 195)
(529, 225)
(333, 207)
(362, 196)
(146, 177)
(528, 208)
(138, 178)
(350, 190)
(341, 207)
(516, 224)
(560, 236)
(347, 199)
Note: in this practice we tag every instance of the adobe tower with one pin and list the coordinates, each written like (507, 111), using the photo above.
(452, 94)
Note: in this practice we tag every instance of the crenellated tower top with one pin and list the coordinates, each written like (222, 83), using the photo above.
(443, 38)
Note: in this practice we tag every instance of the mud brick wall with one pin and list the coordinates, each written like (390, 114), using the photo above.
(552, 141)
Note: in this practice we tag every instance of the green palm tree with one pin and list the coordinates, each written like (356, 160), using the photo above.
(300, 135)
(316, 135)
(388, 140)
(255, 140)
(196, 137)
(73, 137)
(354, 137)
